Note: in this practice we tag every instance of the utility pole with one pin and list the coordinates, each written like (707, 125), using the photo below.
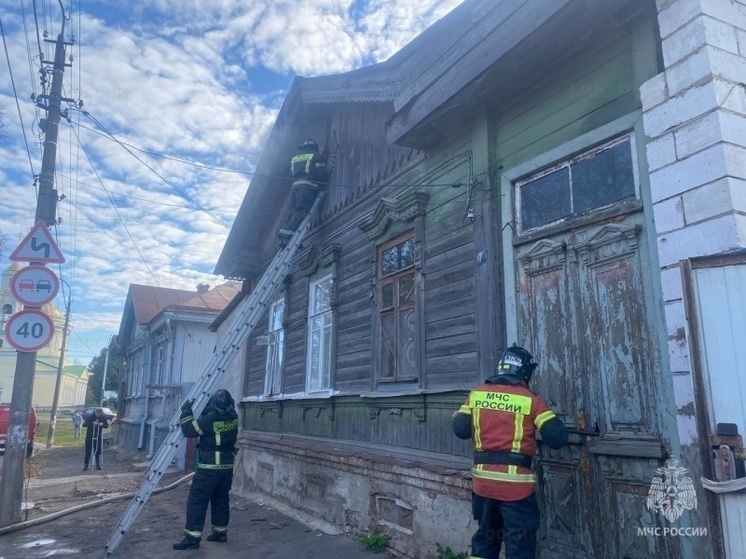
(11, 481)
(56, 399)
(106, 368)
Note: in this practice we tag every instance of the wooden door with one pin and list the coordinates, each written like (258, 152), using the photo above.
(584, 312)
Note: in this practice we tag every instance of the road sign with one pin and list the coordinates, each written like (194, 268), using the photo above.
(29, 330)
(34, 285)
(38, 246)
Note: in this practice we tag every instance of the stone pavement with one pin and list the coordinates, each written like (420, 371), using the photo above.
(256, 529)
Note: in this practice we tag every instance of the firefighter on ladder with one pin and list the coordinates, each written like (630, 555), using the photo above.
(217, 429)
(310, 175)
(501, 417)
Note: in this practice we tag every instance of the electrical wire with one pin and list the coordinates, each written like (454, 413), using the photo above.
(117, 212)
(15, 94)
(126, 196)
(240, 171)
(177, 190)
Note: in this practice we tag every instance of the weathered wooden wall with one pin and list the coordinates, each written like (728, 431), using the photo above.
(450, 366)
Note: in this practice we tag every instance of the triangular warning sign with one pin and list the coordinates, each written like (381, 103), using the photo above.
(38, 246)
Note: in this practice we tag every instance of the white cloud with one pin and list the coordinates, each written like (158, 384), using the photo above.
(197, 80)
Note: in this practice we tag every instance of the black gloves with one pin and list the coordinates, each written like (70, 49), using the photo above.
(187, 406)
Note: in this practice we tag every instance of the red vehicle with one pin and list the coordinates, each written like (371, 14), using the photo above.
(4, 419)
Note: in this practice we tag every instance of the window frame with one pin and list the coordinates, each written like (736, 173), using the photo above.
(574, 218)
(327, 331)
(273, 378)
(383, 280)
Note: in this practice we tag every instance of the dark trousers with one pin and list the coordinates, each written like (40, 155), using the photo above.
(209, 487)
(514, 522)
(302, 198)
(93, 443)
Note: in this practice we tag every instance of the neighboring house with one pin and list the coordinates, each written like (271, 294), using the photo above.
(74, 386)
(74, 380)
(565, 174)
(165, 344)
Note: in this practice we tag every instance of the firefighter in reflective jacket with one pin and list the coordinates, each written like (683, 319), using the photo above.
(310, 175)
(502, 416)
(217, 429)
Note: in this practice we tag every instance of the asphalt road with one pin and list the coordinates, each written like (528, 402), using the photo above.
(256, 529)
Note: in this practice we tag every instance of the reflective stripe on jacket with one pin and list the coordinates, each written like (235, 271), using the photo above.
(505, 418)
(217, 438)
(310, 166)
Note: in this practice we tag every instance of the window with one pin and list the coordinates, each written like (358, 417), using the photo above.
(161, 364)
(320, 334)
(591, 180)
(275, 348)
(396, 309)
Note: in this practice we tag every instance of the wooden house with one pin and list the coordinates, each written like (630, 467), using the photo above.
(166, 342)
(520, 172)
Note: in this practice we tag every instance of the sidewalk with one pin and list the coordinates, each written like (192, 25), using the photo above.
(256, 529)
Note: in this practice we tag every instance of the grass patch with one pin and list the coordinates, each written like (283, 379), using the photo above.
(64, 432)
(448, 553)
(376, 541)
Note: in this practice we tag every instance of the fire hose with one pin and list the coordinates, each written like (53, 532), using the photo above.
(58, 514)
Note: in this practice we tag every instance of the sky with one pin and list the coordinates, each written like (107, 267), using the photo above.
(178, 98)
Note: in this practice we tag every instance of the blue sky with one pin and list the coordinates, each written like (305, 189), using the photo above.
(179, 96)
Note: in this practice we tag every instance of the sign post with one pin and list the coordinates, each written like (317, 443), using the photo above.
(27, 331)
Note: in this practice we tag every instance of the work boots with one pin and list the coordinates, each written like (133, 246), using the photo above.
(188, 542)
(221, 537)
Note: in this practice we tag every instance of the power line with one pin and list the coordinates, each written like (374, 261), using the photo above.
(237, 171)
(180, 192)
(117, 212)
(127, 196)
(18, 105)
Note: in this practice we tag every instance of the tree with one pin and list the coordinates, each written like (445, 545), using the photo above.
(96, 374)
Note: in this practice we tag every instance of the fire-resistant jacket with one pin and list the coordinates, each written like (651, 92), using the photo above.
(217, 437)
(502, 419)
(309, 166)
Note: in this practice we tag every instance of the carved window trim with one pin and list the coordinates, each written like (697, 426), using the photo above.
(393, 219)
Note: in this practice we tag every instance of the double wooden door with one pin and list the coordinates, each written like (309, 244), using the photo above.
(585, 311)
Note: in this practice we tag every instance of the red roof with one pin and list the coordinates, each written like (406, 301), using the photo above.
(148, 301)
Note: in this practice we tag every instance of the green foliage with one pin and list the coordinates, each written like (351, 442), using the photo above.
(448, 553)
(376, 541)
(96, 372)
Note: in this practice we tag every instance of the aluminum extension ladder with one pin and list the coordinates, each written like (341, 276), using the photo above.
(248, 317)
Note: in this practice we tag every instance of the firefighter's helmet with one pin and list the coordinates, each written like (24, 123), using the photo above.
(222, 401)
(309, 145)
(518, 363)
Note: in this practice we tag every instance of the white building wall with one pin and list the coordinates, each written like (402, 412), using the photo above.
(695, 115)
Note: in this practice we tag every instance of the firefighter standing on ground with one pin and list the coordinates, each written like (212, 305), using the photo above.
(217, 430)
(310, 175)
(94, 438)
(502, 416)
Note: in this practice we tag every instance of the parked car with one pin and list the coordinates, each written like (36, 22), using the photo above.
(4, 420)
(108, 414)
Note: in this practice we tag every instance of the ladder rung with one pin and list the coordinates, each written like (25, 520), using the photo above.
(245, 321)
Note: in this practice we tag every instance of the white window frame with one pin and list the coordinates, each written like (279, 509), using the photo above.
(275, 349)
(326, 316)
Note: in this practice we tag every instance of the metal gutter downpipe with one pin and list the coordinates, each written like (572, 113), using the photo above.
(145, 382)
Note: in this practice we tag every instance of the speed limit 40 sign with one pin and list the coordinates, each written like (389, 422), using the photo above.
(29, 330)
